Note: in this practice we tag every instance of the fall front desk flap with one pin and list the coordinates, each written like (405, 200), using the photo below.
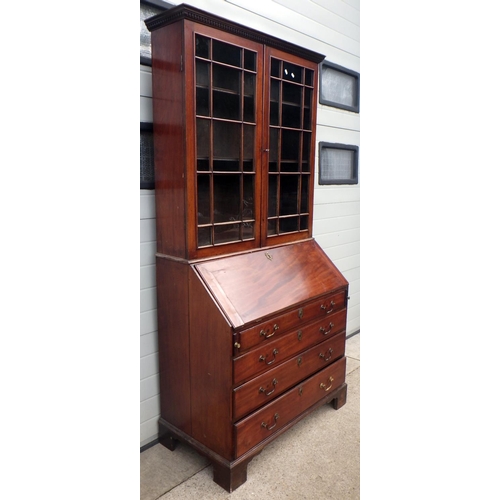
(253, 285)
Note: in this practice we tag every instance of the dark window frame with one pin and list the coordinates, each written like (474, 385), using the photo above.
(346, 71)
(333, 145)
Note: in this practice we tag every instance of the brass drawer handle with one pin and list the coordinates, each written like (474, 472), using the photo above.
(263, 358)
(266, 426)
(266, 333)
(330, 352)
(326, 332)
(323, 385)
(332, 306)
(261, 389)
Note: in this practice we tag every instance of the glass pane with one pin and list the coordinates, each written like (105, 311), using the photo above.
(289, 194)
(248, 197)
(290, 144)
(290, 116)
(289, 225)
(203, 165)
(275, 90)
(202, 105)
(227, 233)
(309, 77)
(290, 166)
(202, 73)
(272, 203)
(292, 72)
(226, 105)
(275, 67)
(272, 227)
(203, 199)
(227, 78)
(248, 166)
(304, 222)
(249, 84)
(248, 230)
(304, 195)
(307, 109)
(274, 108)
(226, 198)
(275, 113)
(273, 149)
(202, 46)
(292, 93)
(250, 58)
(226, 53)
(227, 139)
(204, 236)
(306, 148)
(226, 165)
(248, 141)
(249, 110)
(338, 87)
(202, 138)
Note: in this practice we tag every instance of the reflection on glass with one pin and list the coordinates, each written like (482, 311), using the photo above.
(292, 72)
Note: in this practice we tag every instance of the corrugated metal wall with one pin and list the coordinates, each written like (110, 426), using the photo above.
(330, 27)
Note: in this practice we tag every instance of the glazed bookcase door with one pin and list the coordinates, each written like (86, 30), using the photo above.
(289, 137)
(227, 74)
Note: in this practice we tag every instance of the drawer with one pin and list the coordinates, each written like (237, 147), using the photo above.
(274, 382)
(265, 422)
(274, 352)
(297, 317)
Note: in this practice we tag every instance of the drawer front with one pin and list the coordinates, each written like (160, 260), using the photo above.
(272, 417)
(274, 382)
(270, 354)
(270, 330)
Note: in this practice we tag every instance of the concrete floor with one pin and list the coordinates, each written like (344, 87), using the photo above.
(317, 459)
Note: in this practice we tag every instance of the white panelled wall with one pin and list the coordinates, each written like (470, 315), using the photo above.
(330, 27)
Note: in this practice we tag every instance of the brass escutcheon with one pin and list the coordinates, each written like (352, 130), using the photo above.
(299, 334)
(301, 313)
(268, 255)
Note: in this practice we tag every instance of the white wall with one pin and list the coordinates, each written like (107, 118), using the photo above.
(330, 27)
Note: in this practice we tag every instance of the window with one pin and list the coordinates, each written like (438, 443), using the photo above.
(147, 157)
(339, 87)
(149, 8)
(338, 163)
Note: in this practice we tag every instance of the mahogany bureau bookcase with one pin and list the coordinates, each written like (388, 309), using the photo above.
(251, 312)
